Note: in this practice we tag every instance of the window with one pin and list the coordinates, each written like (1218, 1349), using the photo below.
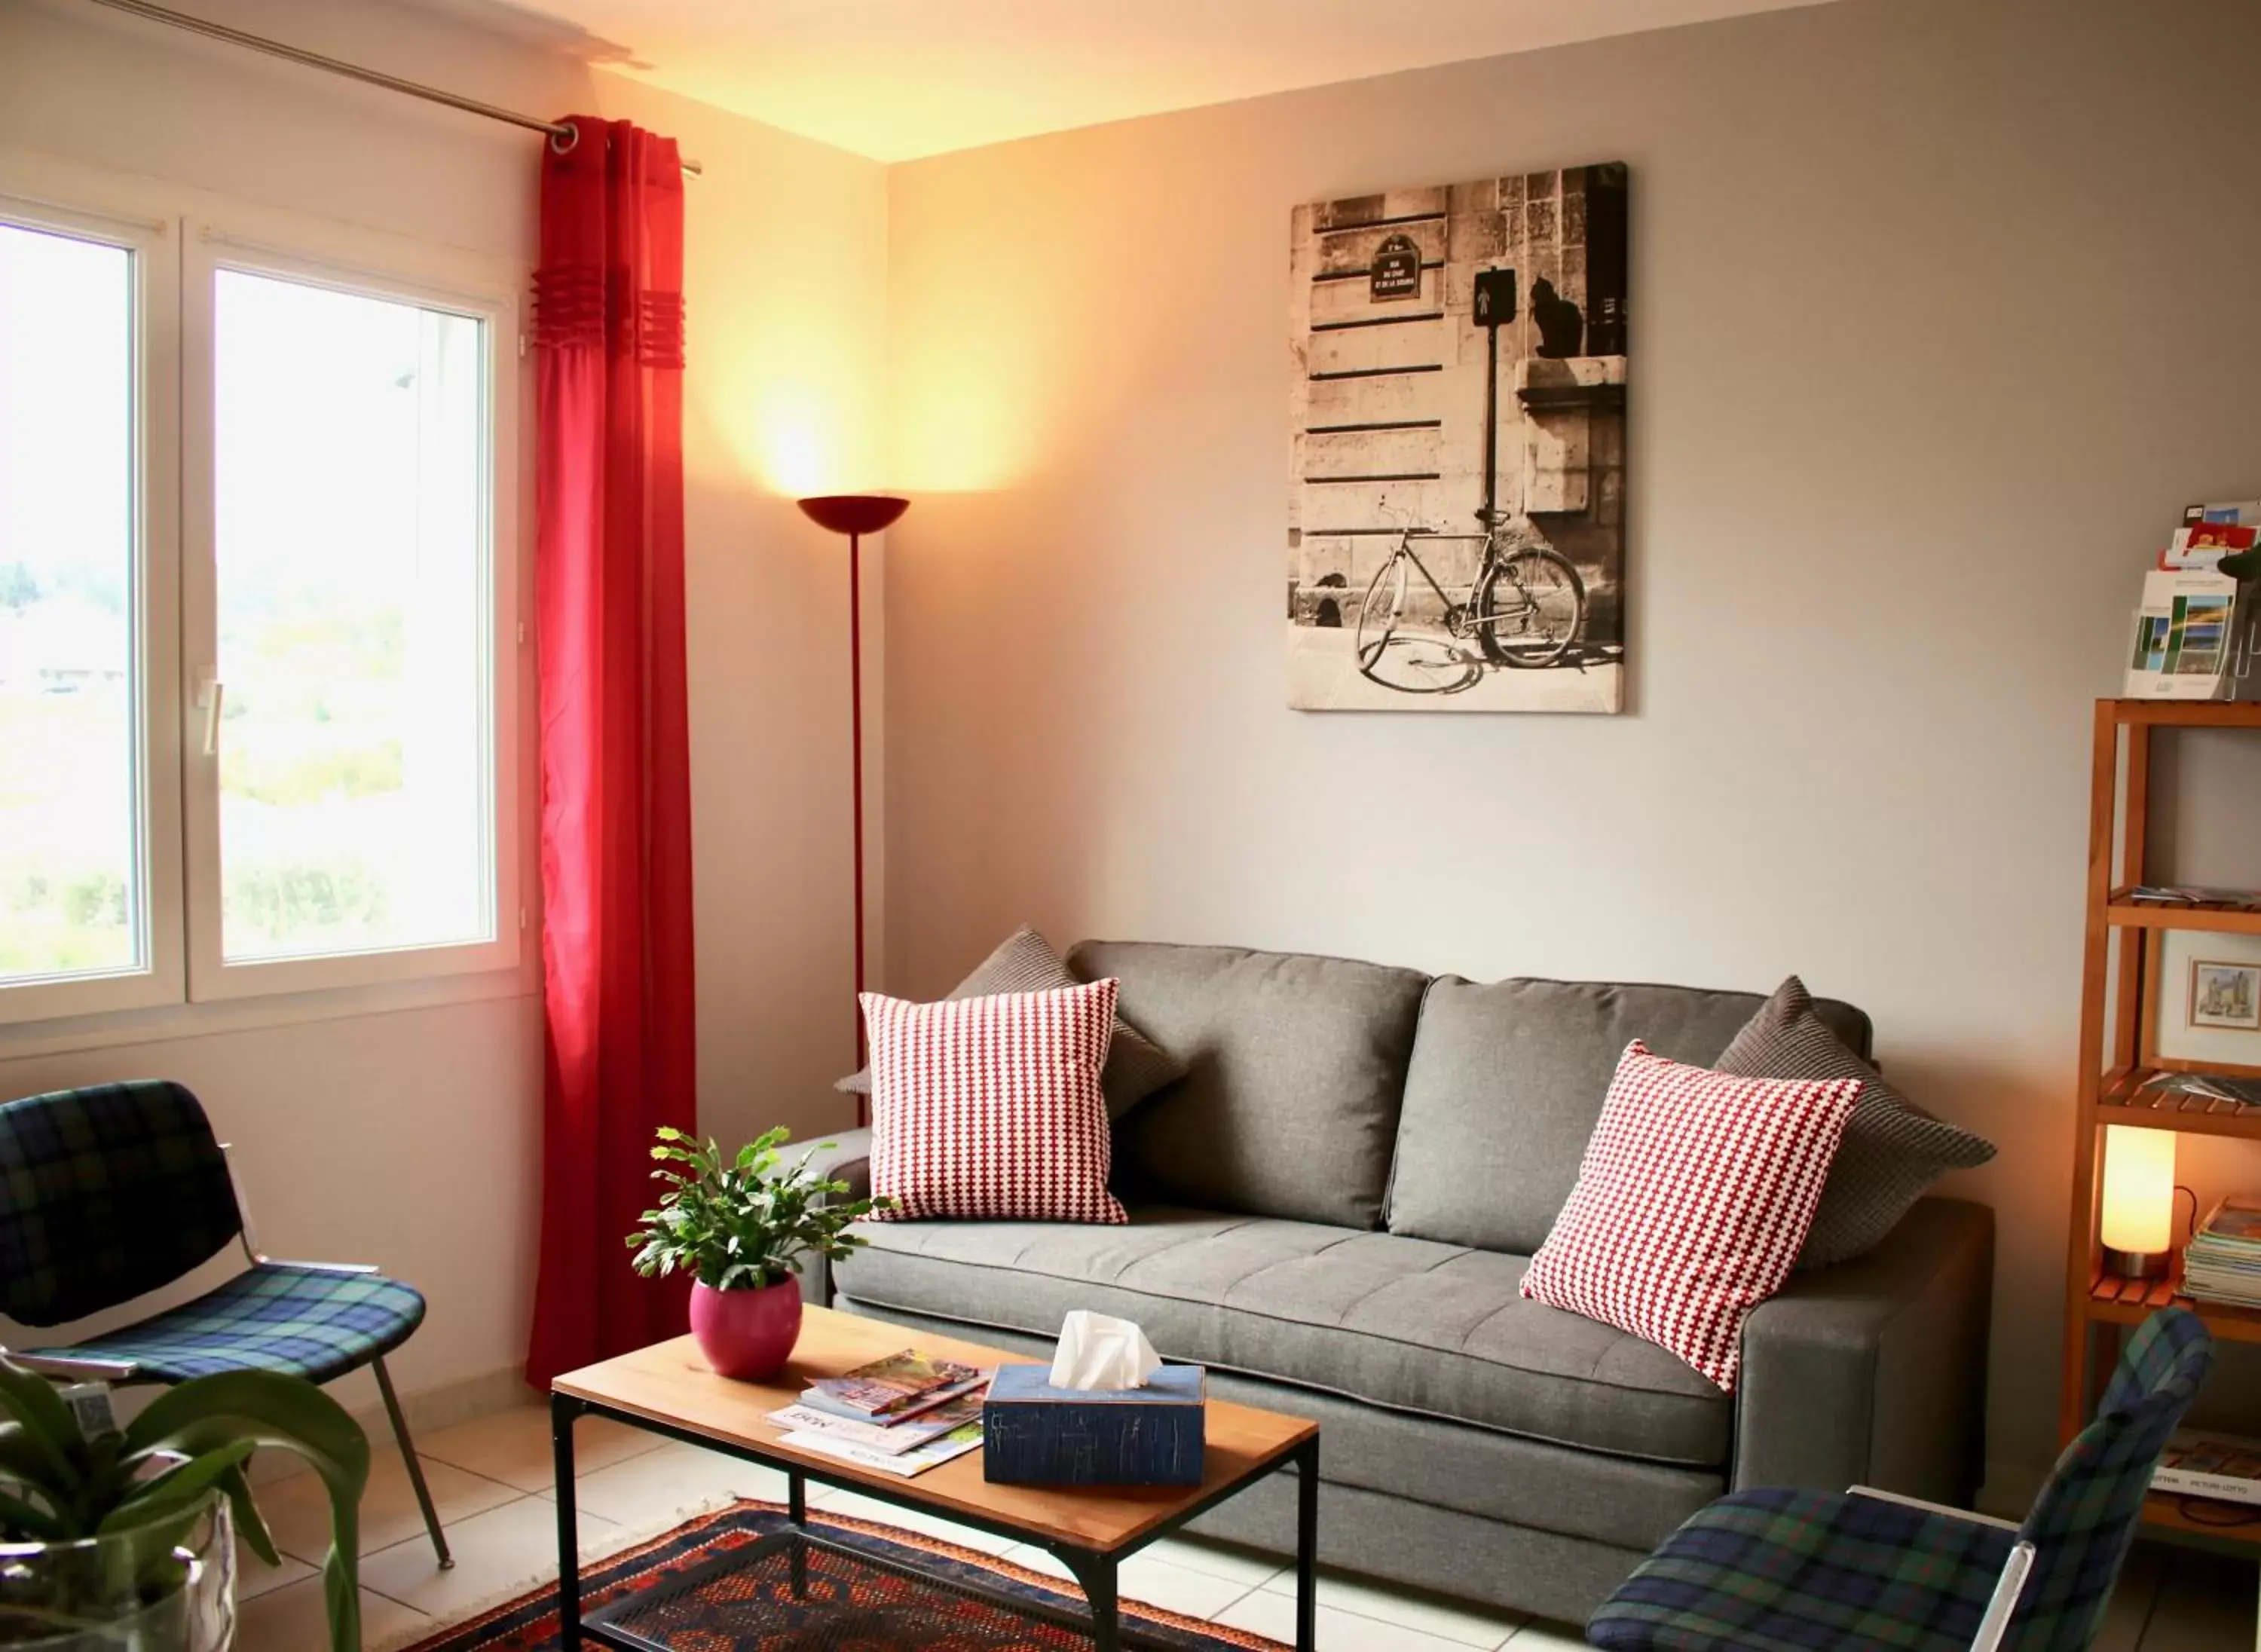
(89, 893)
(350, 564)
(69, 865)
(272, 752)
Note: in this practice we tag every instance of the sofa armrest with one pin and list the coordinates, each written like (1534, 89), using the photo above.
(846, 1157)
(1874, 1371)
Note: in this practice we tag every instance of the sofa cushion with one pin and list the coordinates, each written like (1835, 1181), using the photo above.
(1691, 1204)
(1892, 1150)
(1435, 1329)
(1295, 1070)
(1025, 962)
(990, 1107)
(1507, 1081)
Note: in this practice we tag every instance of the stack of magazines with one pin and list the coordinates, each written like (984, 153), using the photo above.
(2222, 1262)
(902, 1415)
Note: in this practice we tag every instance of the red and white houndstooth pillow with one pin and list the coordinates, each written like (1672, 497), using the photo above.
(992, 1107)
(1694, 1197)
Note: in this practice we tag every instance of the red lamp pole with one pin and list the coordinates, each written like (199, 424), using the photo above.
(856, 515)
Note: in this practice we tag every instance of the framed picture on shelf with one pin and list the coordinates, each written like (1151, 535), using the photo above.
(2225, 994)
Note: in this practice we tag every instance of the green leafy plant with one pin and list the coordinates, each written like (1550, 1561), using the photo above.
(739, 1223)
(148, 1483)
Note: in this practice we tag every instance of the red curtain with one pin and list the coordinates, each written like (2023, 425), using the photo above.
(615, 744)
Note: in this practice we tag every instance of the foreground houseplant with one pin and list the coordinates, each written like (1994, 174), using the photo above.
(740, 1227)
(120, 1539)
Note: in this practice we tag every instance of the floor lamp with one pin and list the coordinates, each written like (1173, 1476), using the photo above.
(857, 514)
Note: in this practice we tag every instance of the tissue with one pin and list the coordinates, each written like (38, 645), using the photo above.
(1100, 1353)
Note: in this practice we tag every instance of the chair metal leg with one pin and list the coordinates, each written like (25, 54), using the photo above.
(415, 1469)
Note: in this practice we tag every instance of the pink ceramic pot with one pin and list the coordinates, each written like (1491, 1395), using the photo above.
(746, 1334)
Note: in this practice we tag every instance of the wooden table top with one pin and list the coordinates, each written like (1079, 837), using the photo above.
(669, 1382)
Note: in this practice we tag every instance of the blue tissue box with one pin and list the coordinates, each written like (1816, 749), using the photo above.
(1033, 1433)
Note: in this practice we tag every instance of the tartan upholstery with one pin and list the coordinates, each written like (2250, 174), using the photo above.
(106, 1192)
(276, 1316)
(1806, 1571)
(1768, 1570)
(2086, 1515)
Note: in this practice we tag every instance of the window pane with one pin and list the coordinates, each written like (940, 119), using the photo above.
(351, 474)
(70, 883)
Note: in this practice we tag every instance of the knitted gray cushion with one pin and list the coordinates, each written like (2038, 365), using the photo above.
(1137, 1067)
(1892, 1149)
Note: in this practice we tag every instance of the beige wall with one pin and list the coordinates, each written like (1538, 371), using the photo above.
(410, 1137)
(1941, 310)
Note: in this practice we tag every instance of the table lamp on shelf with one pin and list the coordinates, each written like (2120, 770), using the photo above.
(2138, 1226)
(856, 515)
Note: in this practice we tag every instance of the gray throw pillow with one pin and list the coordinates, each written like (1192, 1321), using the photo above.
(1137, 1067)
(1892, 1149)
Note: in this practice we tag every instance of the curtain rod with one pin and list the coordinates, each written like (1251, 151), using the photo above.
(561, 135)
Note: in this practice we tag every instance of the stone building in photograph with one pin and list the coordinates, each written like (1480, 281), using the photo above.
(1394, 388)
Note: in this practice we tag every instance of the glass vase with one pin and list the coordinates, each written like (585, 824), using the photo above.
(168, 1586)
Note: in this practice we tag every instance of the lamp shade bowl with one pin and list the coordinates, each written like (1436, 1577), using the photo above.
(854, 512)
(2137, 1222)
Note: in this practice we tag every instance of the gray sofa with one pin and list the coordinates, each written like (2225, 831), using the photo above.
(1331, 1212)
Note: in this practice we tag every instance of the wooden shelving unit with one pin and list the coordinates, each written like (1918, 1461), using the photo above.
(2119, 1060)
(2123, 1099)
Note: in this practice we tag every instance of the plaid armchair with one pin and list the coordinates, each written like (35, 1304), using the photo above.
(111, 1191)
(1800, 1571)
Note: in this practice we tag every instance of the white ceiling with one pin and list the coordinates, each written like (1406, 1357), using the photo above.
(898, 79)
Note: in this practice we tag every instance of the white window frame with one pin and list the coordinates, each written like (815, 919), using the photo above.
(333, 258)
(181, 237)
(154, 613)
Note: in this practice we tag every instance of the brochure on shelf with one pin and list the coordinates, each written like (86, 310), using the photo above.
(2189, 641)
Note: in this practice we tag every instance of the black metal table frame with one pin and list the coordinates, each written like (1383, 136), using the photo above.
(1094, 1569)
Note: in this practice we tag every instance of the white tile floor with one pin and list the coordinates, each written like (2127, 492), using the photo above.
(491, 1480)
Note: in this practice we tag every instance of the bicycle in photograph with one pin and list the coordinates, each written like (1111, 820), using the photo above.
(1523, 611)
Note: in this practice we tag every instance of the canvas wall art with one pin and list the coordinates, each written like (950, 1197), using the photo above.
(1456, 513)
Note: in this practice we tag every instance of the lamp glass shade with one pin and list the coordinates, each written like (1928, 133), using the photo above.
(854, 512)
(2139, 1190)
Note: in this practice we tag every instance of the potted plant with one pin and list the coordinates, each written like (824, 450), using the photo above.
(122, 1540)
(740, 1227)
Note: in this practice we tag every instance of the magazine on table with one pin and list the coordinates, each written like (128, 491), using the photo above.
(901, 1385)
(916, 1460)
(892, 1439)
(816, 1400)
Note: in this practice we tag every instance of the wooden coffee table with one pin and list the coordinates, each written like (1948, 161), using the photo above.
(668, 1390)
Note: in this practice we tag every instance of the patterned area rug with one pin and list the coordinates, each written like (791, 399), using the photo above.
(856, 1602)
